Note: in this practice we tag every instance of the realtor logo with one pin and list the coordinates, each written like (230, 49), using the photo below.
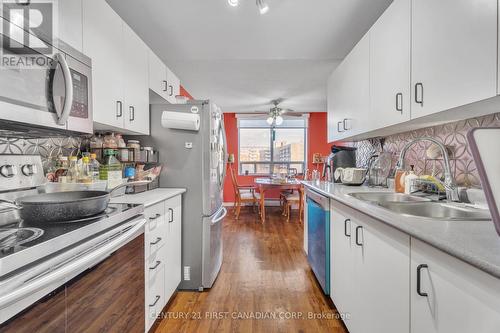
(27, 27)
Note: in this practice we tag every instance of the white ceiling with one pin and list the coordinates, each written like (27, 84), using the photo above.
(242, 59)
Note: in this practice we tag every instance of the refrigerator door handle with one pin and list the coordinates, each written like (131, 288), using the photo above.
(217, 219)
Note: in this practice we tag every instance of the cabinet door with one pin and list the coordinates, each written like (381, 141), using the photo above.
(344, 289)
(454, 53)
(70, 23)
(460, 298)
(136, 82)
(174, 85)
(157, 75)
(174, 243)
(382, 263)
(103, 42)
(349, 93)
(390, 67)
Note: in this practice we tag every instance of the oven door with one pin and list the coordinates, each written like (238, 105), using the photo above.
(97, 288)
(55, 93)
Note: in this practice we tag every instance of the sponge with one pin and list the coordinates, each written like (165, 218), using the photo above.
(434, 180)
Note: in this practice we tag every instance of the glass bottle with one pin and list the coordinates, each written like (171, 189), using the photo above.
(85, 175)
(94, 167)
(111, 169)
(73, 173)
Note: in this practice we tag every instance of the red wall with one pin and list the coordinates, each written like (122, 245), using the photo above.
(317, 143)
(185, 93)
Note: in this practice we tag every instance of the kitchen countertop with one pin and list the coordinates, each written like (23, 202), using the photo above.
(475, 242)
(149, 198)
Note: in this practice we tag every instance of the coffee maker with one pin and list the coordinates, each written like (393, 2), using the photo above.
(340, 157)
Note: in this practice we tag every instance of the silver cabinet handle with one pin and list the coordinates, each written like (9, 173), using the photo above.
(358, 243)
(171, 218)
(119, 109)
(158, 239)
(345, 124)
(158, 262)
(68, 86)
(419, 86)
(171, 90)
(156, 301)
(338, 127)
(132, 113)
(399, 102)
(165, 85)
(155, 217)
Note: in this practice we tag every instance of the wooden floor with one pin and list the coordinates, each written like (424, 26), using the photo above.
(264, 283)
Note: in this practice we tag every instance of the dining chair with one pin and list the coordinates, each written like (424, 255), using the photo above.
(243, 194)
(290, 199)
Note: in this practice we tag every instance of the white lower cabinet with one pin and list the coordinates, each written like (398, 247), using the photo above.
(383, 281)
(163, 255)
(370, 272)
(452, 296)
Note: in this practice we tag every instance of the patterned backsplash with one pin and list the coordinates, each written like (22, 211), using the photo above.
(48, 148)
(453, 135)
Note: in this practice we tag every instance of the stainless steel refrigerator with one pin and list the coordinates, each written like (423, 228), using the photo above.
(195, 160)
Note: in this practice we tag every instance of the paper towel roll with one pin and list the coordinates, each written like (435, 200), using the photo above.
(180, 120)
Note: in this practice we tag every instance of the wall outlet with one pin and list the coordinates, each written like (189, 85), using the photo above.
(187, 273)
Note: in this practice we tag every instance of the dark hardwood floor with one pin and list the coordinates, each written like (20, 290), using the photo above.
(265, 284)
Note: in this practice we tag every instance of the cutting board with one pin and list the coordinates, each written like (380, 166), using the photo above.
(485, 147)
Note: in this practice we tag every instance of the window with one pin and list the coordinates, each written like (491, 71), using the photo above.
(265, 150)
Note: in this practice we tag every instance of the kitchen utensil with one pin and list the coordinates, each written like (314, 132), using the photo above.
(379, 170)
(64, 206)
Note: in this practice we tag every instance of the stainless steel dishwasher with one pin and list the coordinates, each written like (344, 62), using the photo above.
(318, 237)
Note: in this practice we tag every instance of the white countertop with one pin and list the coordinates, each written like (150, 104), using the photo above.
(149, 198)
(475, 242)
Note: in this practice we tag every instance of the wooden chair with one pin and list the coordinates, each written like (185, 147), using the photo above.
(243, 194)
(296, 197)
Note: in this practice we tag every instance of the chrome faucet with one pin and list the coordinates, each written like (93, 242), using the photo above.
(449, 184)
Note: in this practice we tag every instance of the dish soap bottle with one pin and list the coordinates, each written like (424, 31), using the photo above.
(399, 181)
(409, 179)
(111, 169)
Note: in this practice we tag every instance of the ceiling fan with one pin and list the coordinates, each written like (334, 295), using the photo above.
(276, 113)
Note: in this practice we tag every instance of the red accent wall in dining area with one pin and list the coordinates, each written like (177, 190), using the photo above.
(316, 143)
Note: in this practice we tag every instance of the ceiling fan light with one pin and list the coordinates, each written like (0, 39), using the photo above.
(233, 3)
(279, 120)
(270, 120)
(263, 7)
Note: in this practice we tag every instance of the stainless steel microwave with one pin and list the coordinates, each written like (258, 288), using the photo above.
(56, 97)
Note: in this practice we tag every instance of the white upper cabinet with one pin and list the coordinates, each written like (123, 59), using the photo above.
(103, 42)
(452, 296)
(157, 76)
(174, 85)
(70, 28)
(390, 67)
(119, 70)
(349, 92)
(454, 53)
(136, 83)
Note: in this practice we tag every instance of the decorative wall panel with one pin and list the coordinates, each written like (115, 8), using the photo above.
(453, 135)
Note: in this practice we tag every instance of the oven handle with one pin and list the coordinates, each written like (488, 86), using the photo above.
(71, 267)
(68, 85)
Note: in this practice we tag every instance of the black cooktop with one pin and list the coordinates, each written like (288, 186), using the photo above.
(18, 235)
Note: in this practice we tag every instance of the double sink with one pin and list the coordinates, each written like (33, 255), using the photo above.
(412, 205)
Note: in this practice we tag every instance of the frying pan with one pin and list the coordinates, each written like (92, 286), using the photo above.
(64, 206)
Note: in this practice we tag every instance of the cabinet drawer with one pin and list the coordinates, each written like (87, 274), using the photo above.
(156, 228)
(155, 294)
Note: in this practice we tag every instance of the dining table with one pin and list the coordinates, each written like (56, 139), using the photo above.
(280, 184)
